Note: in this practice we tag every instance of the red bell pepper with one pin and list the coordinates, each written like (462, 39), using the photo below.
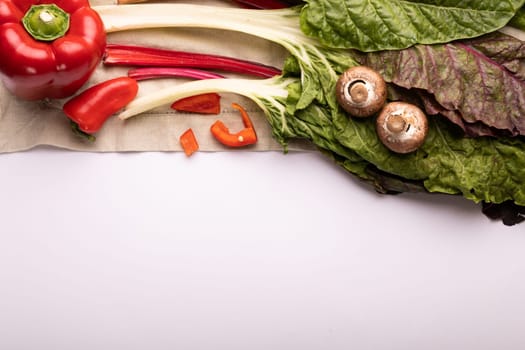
(49, 49)
(92, 107)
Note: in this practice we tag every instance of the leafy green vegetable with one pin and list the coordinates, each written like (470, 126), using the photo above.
(374, 25)
(518, 21)
(481, 169)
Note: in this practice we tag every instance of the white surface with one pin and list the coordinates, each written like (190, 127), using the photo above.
(244, 251)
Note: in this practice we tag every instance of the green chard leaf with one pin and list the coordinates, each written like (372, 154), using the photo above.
(318, 68)
(518, 21)
(482, 169)
(375, 25)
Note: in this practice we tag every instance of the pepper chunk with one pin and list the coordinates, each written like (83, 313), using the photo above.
(49, 50)
(246, 136)
(209, 103)
(92, 107)
(189, 142)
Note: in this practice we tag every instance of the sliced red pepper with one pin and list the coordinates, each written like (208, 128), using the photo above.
(48, 50)
(209, 103)
(246, 136)
(91, 108)
(189, 142)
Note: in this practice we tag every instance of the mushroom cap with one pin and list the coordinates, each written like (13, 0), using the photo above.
(361, 91)
(402, 127)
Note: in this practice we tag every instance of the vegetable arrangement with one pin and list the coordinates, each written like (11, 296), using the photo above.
(455, 65)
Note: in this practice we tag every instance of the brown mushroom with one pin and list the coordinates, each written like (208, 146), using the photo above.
(402, 127)
(361, 91)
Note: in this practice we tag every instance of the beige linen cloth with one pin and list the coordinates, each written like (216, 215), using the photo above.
(25, 125)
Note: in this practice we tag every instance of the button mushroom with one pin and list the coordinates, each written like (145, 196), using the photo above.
(361, 91)
(402, 127)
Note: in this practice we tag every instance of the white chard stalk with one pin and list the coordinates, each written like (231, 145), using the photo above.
(279, 26)
(258, 90)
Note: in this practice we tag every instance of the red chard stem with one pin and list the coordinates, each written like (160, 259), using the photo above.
(130, 55)
(144, 73)
(262, 4)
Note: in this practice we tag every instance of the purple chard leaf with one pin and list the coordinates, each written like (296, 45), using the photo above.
(478, 84)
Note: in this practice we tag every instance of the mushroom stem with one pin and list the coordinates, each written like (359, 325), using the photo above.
(358, 91)
(396, 123)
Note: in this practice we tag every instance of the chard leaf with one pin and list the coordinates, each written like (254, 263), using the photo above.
(518, 21)
(504, 50)
(508, 212)
(374, 25)
(483, 169)
(319, 69)
(478, 84)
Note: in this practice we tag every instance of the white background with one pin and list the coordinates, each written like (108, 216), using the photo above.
(244, 250)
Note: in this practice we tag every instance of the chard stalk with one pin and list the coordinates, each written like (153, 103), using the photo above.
(280, 26)
(117, 54)
(145, 73)
(262, 4)
(266, 93)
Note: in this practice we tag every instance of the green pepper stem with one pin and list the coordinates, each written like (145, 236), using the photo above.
(46, 22)
(82, 134)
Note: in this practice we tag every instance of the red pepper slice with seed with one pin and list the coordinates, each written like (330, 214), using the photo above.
(245, 137)
(92, 107)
